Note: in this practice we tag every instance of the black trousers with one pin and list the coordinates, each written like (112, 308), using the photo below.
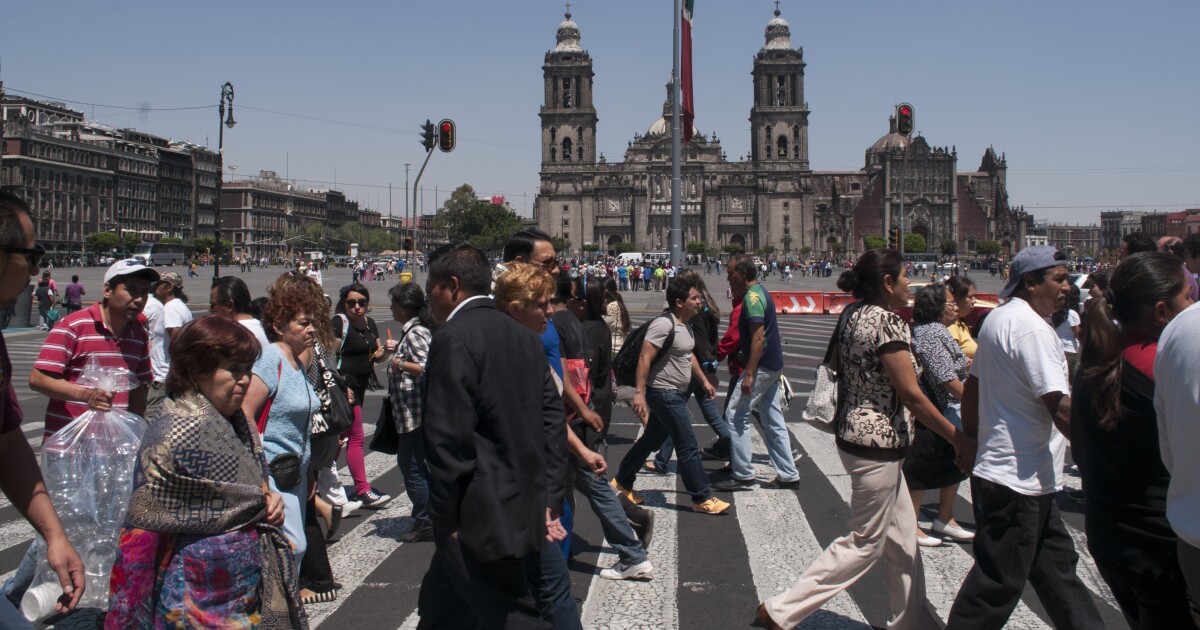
(1149, 602)
(1020, 539)
(315, 573)
(462, 593)
(1189, 565)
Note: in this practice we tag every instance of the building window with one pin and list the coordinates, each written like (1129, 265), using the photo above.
(782, 145)
(566, 149)
(566, 208)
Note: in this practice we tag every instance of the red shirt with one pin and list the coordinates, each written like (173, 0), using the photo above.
(10, 411)
(729, 343)
(77, 338)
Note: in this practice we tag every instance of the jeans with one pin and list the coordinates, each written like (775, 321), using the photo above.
(764, 396)
(607, 508)
(22, 579)
(354, 452)
(1020, 539)
(411, 459)
(553, 589)
(668, 417)
(293, 515)
(11, 618)
(708, 407)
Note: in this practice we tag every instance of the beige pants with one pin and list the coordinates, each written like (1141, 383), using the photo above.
(882, 524)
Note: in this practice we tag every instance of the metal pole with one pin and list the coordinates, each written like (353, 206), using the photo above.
(903, 189)
(407, 165)
(226, 97)
(676, 183)
(417, 187)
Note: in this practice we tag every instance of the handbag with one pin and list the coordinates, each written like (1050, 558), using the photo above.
(386, 439)
(336, 415)
(285, 468)
(823, 399)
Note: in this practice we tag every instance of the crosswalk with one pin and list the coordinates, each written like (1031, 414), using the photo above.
(710, 572)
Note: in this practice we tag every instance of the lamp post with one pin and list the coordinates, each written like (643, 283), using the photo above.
(226, 97)
(407, 165)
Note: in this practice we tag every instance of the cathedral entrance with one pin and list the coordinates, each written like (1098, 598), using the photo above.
(923, 230)
(612, 244)
(738, 241)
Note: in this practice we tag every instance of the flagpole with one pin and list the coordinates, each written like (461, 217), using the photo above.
(676, 97)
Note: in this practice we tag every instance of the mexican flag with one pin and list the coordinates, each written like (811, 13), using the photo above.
(687, 108)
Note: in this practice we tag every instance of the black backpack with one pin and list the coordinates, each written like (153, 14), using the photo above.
(624, 365)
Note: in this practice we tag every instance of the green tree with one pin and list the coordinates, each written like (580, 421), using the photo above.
(987, 248)
(591, 247)
(560, 244)
(765, 250)
(696, 247)
(103, 241)
(131, 241)
(171, 240)
(806, 249)
(914, 243)
(949, 247)
(733, 250)
(623, 247)
(871, 241)
(483, 224)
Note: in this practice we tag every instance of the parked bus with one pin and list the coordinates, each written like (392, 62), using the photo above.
(157, 254)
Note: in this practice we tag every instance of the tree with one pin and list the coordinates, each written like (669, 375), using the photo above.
(591, 247)
(486, 226)
(806, 249)
(914, 243)
(171, 240)
(987, 248)
(103, 241)
(131, 241)
(765, 250)
(949, 247)
(733, 250)
(623, 247)
(208, 243)
(696, 247)
(871, 241)
(560, 244)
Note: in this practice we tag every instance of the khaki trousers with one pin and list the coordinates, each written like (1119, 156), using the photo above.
(882, 524)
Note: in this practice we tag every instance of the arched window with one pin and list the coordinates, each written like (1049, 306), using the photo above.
(566, 100)
(566, 149)
(780, 91)
(553, 134)
(796, 133)
(553, 154)
(580, 152)
(782, 145)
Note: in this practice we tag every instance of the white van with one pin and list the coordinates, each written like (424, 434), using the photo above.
(629, 258)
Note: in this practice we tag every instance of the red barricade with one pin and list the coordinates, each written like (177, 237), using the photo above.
(798, 302)
(836, 302)
(989, 297)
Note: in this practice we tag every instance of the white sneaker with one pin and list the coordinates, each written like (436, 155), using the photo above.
(925, 540)
(953, 532)
(350, 506)
(621, 571)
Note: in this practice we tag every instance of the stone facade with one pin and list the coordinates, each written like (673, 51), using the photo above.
(1076, 241)
(771, 200)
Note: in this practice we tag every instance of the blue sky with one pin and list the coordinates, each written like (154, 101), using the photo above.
(1094, 103)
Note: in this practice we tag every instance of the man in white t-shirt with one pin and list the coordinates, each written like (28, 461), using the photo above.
(1017, 404)
(1176, 399)
(174, 314)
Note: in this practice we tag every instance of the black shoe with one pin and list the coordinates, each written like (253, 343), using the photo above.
(422, 531)
(735, 485)
(714, 453)
(779, 484)
(374, 499)
(1077, 495)
(642, 522)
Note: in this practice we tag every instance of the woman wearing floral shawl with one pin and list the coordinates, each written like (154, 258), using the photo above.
(201, 547)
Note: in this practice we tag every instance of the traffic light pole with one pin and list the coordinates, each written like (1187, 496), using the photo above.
(412, 228)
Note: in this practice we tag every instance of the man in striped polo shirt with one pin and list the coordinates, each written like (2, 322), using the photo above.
(109, 331)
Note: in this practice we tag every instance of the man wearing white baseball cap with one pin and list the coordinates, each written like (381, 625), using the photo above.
(1017, 404)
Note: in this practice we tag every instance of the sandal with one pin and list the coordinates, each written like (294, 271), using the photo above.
(317, 598)
(651, 468)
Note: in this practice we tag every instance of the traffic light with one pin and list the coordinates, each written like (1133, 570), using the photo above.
(904, 119)
(446, 135)
(894, 238)
(427, 135)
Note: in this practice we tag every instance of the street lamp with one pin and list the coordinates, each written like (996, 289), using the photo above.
(407, 165)
(223, 121)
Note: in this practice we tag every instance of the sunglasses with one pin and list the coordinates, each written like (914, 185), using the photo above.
(352, 303)
(549, 264)
(33, 255)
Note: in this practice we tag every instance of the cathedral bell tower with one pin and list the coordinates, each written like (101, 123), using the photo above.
(779, 118)
(568, 115)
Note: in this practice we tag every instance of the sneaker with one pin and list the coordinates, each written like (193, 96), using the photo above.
(629, 495)
(735, 485)
(925, 540)
(714, 453)
(779, 484)
(796, 456)
(711, 506)
(349, 506)
(953, 532)
(373, 499)
(622, 571)
(642, 522)
(422, 531)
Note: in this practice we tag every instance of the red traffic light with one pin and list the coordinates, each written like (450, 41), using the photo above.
(905, 111)
(904, 119)
(447, 135)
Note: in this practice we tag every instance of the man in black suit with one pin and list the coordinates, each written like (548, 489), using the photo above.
(495, 437)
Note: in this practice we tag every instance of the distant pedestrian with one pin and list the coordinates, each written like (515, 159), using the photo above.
(73, 296)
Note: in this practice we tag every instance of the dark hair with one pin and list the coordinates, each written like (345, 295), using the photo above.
(522, 243)
(677, 289)
(959, 286)
(1139, 242)
(929, 303)
(1139, 282)
(611, 293)
(256, 307)
(1174, 247)
(11, 209)
(347, 290)
(464, 261)
(1191, 244)
(1063, 314)
(565, 287)
(693, 276)
(201, 344)
(865, 279)
(1098, 279)
(74, 278)
(743, 266)
(594, 300)
(233, 292)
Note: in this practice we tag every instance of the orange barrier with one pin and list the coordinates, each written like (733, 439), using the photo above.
(988, 297)
(798, 302)
(835, 303)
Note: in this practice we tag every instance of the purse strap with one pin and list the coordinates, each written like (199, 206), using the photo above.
(262, 417)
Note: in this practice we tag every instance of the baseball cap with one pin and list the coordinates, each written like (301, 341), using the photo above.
(129, 267)
(1027, 260)
(172, 278)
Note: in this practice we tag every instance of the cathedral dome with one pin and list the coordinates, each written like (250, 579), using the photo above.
(662, 126)
(778, 34)
(891, 140)
(568, 36)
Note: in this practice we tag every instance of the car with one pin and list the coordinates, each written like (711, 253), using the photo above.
(1079, 280)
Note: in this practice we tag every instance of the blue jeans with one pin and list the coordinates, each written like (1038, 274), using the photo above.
(293, 515)
(953, 413)
(765, 397)
(607, 508)
(22, 579)
(668, 417)
(11, 618)
(410, 457)
(712, 416)
(553, 588)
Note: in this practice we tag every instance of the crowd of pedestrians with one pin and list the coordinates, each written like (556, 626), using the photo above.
(498, 397)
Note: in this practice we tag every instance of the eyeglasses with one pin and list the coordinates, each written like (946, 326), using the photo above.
(33, 255)
(549, 263)
(352, 303)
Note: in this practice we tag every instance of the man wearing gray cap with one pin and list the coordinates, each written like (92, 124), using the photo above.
(1017, 404)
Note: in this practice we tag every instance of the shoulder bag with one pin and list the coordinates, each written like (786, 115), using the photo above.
(285, 468)
(386, 439)
(823, 399)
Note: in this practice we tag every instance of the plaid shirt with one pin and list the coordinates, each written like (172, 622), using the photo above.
(404, 389)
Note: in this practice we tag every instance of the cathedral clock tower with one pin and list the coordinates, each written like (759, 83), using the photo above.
(568, 115)
(779, 118)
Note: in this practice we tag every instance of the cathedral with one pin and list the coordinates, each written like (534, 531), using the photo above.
(771, 202)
